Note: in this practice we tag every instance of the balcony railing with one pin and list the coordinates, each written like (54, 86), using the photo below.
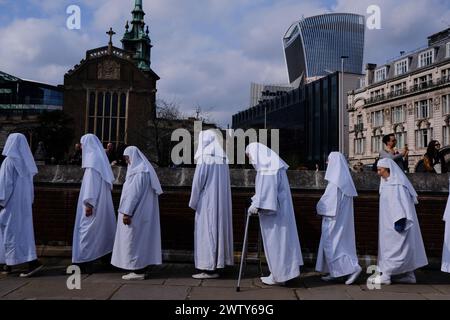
(402, 92)
(359, 127)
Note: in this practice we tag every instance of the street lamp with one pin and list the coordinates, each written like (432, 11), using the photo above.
(265, 116)
(341, 109)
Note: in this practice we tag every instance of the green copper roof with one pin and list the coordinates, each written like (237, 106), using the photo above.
(138, 3)
(136, 39)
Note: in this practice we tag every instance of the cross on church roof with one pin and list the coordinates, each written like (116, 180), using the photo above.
(110, 33)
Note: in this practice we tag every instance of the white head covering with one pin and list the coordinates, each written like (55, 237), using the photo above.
(210, 149)
(138, 164)
(265, 160)
(338, 173)
(94, 156)
(396, 177)
(17, 148)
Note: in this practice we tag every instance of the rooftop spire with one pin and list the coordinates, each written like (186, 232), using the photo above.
(138, 3)
(136, 39)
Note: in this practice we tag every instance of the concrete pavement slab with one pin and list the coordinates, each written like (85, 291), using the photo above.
(56, 288)
(154, 292)
(270, 293)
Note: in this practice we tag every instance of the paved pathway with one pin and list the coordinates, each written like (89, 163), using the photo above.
(174, 282)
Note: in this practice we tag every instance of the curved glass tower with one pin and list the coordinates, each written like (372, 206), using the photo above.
(313, 46)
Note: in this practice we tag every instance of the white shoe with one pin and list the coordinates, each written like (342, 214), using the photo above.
(352, 278)
(205, 275)
(133, 276)
(384, 279)
(380, 280)
(32, 272)
(408, 277)
(328, 278)
(270, 281)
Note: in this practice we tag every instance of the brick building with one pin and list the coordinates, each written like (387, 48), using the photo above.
(111, 92)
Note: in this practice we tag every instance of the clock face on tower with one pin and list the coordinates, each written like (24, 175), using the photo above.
(109, 70)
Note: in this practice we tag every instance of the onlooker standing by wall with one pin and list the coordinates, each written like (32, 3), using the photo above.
(390, 152)
(432, 161)
(111, 154)
(40, 155)
(75, 158)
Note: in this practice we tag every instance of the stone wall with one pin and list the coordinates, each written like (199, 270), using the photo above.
(57, 188)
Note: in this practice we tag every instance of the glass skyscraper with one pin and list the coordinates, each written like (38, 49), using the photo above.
(313, 46)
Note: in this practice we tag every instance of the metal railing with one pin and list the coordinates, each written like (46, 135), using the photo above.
(402, 92)
(359, 127)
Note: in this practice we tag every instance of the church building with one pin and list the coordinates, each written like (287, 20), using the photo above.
(112, 92)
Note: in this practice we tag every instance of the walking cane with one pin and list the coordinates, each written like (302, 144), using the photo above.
(244, 251)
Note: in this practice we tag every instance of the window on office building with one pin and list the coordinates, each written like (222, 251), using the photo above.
(446, 136)
(445, 100)
(401, 67)
(377, 118)
(377, 143)
(423, 81)
(380, 74)
(445, 74)
(359, 145)
(423, 137)
(398, 88)
(401, 139)
(423, 108)
(398, 114)
(426, 58)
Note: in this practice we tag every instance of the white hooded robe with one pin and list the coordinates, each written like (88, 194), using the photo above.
(16, 197)
(138, 245)
(211, 200)
(337, 250)
(398, 252)
(446, 248)
(276, 213)
(93, 237)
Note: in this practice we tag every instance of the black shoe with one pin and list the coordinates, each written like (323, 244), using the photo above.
(87, 268)
(4, 269)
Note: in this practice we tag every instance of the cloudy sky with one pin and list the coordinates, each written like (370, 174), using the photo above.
(207, 52)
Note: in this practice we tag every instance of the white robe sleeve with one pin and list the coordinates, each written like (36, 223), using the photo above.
(266, 193)
(132, 194)
(447, 209)
(92, 181)
(198, 184)
(398, 206)
(8, 176)
(329, 202)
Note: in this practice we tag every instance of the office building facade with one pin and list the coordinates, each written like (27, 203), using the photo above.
(409, 96)
(313, 46)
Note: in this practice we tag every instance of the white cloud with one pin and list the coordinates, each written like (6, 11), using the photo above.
(38, 48)
(405, 25)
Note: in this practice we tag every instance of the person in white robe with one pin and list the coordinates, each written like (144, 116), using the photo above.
(400, 245)
(95, 223)
(2, 250)
(273, 202)
(337, 250)
(211, 200)
(16, 200)
(445, 267)
(138, 236)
